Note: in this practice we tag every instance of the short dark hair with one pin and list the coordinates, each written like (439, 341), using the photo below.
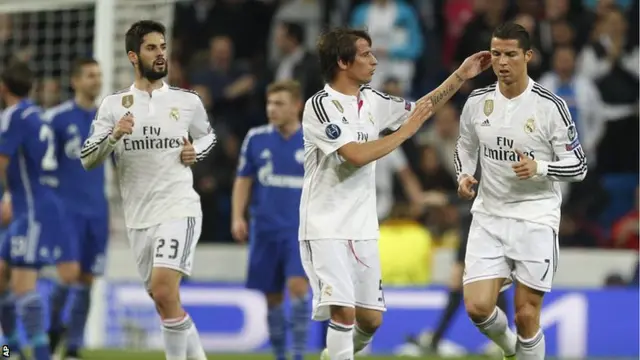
(294, 31)
(135, 35)
(79, 64)
(513, 31)
(291, 86)
(338, 44)
(18, 78)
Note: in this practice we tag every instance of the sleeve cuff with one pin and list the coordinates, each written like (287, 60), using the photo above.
(542, 168)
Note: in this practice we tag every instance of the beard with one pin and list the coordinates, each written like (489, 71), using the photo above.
(150, 74)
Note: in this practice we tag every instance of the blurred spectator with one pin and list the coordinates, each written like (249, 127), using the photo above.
(477, 37)
(192, 28)
(230, 84)
(306, 12)
(457, 15)
(295, 62)
(612, 62)
(582, 98)
(47, 93)
(387, 168)
(176, 75)
(397, 39)
(625, 231)
(442, 134)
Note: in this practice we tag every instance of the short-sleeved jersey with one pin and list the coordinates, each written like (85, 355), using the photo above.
(155, 186)
(537, 123)
(339, 199)
(30, 146)
(275, 165)
(83, 191)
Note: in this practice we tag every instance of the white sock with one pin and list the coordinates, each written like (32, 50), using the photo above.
(195, 351)
(340, 341)
(531, 349)
(174, 334)
(360, 339)
(497, 329)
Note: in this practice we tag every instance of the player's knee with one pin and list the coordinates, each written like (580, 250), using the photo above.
(343, 315)
(478, 309)
(163, 294)
(68, 272)
(298, 287)
(369, 320)
(527, 318)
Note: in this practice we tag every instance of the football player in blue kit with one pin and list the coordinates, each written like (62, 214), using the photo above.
(39, 234)
(83, 195)
(269, 181)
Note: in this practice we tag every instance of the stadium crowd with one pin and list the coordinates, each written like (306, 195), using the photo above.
(586, 51)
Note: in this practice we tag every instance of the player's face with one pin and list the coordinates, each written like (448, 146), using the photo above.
(282, 108)
(89, 81)
(509, 61)
(364, 65)
(152, 61)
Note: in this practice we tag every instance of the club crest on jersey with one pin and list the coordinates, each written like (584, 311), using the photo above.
(488, 107)
(174, 114)
(338, 106)
(572, 134)
(529, 126)
(127, 101)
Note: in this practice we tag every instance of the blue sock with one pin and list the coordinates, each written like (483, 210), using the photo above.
(57, 301)
(78, 318)
(299, 326)
(31, 311)
(277, 331)
(8, 322)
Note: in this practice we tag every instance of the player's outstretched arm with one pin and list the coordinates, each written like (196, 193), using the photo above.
(360, 154)
(102, 137)
(571, 165)
(204, 138)
(470, 68)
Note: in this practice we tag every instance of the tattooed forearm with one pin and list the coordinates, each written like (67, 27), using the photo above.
(442, 95)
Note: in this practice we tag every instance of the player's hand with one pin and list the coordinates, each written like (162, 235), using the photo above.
(474, 65)
(465, 187)
(422, 112)
(239, 230)
(124, 126)
(526, 167)
(188, 154)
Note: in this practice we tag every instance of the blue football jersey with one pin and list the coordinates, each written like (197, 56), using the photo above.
(83, 191)
(276, 166)
(31, 147)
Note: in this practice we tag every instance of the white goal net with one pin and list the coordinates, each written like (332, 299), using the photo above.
(51, 34)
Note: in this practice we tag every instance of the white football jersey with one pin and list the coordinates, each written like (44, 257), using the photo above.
(339, 199)
(155, 186)
(537, 123)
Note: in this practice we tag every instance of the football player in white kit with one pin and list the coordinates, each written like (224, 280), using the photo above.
(338, 219)
(527, 144)
(147, 128)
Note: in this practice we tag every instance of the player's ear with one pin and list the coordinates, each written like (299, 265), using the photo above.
(528, 55)
(133, 57)
(342, 64)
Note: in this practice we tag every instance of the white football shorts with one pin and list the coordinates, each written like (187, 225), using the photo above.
(507, 248)
(168, 245)
(344, 273)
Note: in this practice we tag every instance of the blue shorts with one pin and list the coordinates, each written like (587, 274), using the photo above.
(91, 234)
(43, 240)
(273, 258)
